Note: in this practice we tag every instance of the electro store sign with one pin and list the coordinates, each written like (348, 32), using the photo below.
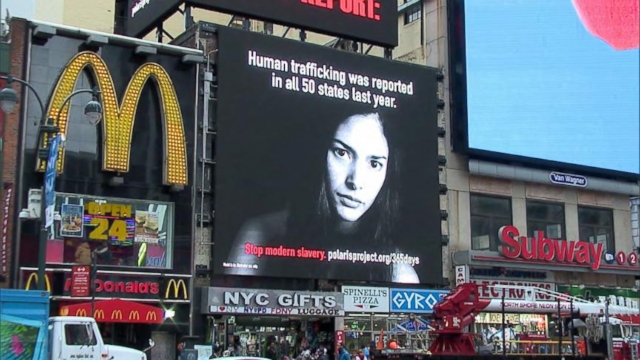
(366, 299)
(273, 302)
(419, 301)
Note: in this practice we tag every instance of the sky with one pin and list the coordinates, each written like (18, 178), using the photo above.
(19, 8)
(540, 85)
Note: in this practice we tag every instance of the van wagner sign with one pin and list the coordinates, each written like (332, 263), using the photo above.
(272, 302)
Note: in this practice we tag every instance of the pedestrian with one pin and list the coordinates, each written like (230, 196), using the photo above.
(272, 353)
(343, 354)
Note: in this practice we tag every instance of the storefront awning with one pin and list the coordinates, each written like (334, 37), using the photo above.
(116, 311)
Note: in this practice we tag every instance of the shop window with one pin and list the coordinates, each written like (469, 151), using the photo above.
(596, 226)
(547, 217)
(411, 331)
(488, 215)
(413, 13)
(121, 232)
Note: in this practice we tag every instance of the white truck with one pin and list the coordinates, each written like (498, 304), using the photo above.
(27, 332)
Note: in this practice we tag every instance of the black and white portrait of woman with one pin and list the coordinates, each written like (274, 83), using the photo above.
(355, 206)
(318, 187)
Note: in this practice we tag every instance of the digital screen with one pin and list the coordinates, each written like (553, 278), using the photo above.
(371, 21)
(326, 163)
(555, 80)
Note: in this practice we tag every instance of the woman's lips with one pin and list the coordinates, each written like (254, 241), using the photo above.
(349, 201)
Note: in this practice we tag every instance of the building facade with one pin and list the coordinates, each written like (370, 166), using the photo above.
(123, 192)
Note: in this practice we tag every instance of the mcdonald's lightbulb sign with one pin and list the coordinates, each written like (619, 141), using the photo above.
(119, 115)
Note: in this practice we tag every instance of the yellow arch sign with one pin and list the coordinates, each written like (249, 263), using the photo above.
(119, 117)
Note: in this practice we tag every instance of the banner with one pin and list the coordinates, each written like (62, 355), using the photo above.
(338, 177)
(5, 240)
(371, 21)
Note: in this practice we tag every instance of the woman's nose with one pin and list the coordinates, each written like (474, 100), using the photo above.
(356, 177)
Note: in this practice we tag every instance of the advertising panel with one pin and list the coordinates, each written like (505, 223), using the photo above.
(487, 289)
(326, 162)
(372, 21)
(366, 299)
(80, 281)
(560, 83)
(123, 232)
(168, 289)
(419, 301)
(272, 302)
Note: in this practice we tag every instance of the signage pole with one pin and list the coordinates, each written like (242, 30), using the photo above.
(559, 328)
(573, 340)
(504, 330)
(608, 329)
(93, 279)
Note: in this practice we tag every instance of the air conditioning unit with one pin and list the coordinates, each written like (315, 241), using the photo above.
(33, 202)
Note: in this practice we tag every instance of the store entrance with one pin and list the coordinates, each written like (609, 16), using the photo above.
(252, 336)
(135, 336)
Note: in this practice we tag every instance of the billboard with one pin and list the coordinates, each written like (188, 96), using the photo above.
(371, 21)
(327, 163)
(553, 83)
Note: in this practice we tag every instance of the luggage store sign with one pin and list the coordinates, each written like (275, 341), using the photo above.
(272, 302)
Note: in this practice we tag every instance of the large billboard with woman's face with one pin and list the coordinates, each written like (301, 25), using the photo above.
(326, 163)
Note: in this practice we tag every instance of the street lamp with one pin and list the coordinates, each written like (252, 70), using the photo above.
(93, 111)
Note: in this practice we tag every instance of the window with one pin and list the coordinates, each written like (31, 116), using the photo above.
(413, 13)
(547, 217)
(121, 232)
(488, 215)
(79, 335)
(596, 226)
(268, 28)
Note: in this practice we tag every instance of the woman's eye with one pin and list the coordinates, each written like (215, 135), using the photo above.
(340, 152)
(375, 165)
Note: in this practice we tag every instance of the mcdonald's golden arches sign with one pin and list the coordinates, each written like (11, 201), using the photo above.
(178, 286)
(32, 280)
(119, 115)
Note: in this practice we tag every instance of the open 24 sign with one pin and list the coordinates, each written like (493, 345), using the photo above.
(109, 221)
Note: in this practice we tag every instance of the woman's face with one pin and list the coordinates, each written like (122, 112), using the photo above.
(356, 166)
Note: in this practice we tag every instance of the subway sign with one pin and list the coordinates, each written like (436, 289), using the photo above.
(119, 115)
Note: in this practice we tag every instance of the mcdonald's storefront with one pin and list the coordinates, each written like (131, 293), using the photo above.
(123, 191)
(129, 308)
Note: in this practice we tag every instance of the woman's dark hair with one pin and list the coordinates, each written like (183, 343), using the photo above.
(316, 221)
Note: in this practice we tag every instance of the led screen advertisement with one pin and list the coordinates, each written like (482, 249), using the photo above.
(326, 162)
(554, 80)
(371, 21)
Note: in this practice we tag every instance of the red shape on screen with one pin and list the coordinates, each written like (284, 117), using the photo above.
(617, 22)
